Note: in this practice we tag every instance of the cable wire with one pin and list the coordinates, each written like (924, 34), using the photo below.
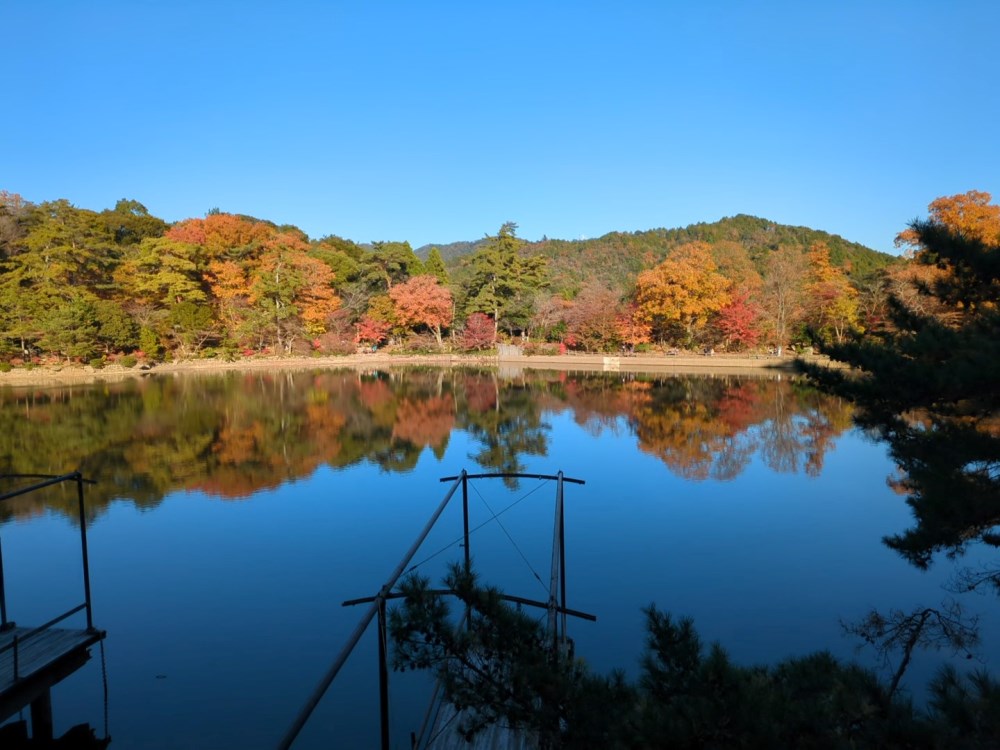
(509, 537)
(474, 529)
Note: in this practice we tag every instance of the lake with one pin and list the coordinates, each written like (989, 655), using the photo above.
(234, 513)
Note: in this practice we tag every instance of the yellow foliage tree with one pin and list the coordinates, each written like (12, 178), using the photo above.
(677, 297)
(831, 301)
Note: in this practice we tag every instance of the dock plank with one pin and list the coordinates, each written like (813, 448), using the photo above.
(39, 652)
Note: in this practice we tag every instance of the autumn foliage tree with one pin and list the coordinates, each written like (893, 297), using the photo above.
(969, 214)
(423, 301)
(223, 235)
(592, 318)
(954, 274)
(292, 292)
(632, 330)
(781, 294)
(678, 296)
(478, 333)
(739, 322)
(372, 331)
(229, 285)
(831, 302)
(267, 284)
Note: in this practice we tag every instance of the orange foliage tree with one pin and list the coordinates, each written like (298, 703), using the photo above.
(265, 283)
(292, 291)
(423, 301)
(632, 330)
(970, 214)
(372, 330)
(222, 234)
(227, 280)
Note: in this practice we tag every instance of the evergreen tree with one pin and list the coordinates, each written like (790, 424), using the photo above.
(504, 280)
(389, 263)
(435, 266)
(928, 386)
(501, 668)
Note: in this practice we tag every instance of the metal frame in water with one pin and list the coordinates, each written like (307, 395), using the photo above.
(556, 604)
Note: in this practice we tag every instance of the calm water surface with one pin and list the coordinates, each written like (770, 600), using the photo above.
(234, 513)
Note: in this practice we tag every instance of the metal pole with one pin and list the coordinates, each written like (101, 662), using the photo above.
(3, 594)
(465, 519)
(83, 545)
(41, 717)
(383, 675)
(468, 557)
(338, 663)
(554, 580)
(49, 481)
(562, 554)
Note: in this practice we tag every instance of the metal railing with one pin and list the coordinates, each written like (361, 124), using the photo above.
(556, 603)
(7, 624)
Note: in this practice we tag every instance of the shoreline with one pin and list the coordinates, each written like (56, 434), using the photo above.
(688, 364)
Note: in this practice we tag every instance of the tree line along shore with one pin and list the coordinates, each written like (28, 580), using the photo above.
(123, 287)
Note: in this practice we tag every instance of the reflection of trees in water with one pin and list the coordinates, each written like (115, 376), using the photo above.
(425, 422)
(505, 420)
(227, 435)
(235, 434)
(711, 428)
(945, 472)
(800, 428)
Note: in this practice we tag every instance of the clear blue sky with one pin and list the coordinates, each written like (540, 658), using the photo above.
(437, 121)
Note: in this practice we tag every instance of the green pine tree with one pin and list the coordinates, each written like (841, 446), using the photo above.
(504, 280)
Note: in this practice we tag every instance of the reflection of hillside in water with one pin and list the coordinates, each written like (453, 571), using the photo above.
(231, 435)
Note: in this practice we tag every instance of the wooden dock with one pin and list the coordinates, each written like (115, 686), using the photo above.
(39, 661)
(33, 660)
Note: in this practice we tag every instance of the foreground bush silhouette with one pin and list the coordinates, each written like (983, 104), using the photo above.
(496, 665)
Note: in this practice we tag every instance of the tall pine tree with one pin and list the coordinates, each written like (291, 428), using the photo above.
(504, 280)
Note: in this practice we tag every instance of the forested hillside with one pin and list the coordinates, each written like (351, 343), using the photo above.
(121, 283)
(618, 257)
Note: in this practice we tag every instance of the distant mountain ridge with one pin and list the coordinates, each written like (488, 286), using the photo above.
(617, 257)
(449, 250)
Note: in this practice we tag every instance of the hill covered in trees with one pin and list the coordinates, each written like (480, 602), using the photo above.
(450, 251)
(617, 257)
(620, 256)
